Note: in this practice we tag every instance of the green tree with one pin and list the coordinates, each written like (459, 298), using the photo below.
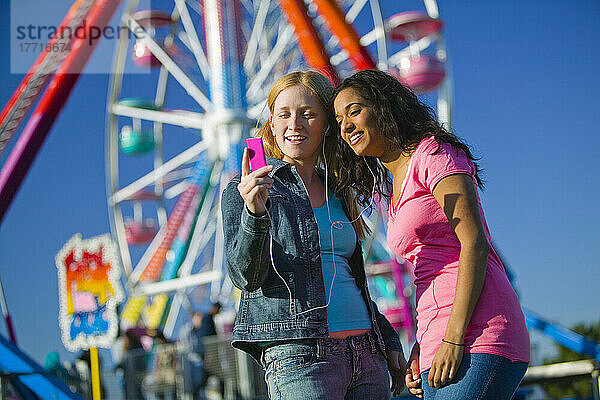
(580, 388)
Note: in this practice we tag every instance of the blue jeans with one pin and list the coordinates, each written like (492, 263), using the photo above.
(480, 377)
(327, 369)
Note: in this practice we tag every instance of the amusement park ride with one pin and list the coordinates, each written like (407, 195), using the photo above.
(175, 141)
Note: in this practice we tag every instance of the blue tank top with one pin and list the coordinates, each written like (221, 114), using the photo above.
(347, 309)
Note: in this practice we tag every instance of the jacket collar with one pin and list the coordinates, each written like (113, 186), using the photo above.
(277, 165)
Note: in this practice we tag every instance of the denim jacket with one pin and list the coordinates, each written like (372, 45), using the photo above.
(264, 310)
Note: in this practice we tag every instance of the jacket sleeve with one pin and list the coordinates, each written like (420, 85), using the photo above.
(246, 240)
(390, 337)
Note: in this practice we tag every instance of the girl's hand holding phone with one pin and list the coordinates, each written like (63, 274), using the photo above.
(254, 186)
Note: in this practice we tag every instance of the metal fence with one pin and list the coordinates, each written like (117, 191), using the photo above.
(162, 373)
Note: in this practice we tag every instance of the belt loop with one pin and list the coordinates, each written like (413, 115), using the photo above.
(372, 342)
(320, 350)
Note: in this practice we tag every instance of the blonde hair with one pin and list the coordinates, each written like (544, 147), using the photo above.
(320, 87)
(315, 83)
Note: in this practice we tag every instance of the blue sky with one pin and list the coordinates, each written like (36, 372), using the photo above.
(525, 89)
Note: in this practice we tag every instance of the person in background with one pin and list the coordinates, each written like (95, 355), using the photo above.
(472, 341)
(53, 366)
(193, 359)
(210, 354)
(83, 364)
(133, 365)
(208, 327)
(164, 372)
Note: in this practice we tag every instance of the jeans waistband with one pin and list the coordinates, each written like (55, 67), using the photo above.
(321, 346)
(359, 342)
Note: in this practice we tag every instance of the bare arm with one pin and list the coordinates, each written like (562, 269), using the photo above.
(457, 196)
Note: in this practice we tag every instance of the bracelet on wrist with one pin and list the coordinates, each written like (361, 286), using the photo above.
(455, 344)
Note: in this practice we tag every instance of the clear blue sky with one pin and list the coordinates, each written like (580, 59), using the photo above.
(526, 98)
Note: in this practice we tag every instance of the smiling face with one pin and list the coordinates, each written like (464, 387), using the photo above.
(357, 124)
(298, 122)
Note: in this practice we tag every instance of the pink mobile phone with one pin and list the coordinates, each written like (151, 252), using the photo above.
(256, 153)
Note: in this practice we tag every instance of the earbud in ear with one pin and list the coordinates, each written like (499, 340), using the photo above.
(271, 125)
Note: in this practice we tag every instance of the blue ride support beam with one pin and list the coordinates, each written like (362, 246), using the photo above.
(31, 374)
(563, 336)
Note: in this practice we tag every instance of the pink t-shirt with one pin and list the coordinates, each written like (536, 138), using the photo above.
(418, 231)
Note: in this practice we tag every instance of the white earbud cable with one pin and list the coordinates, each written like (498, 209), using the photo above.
(336, 224)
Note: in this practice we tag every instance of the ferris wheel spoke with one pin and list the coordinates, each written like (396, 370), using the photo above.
(247, 5)
(257, 29)
(355, 10)
(371, 37)
(177, 73)
(173, 313)
(276, 53)
(155, 175)
(444, 103)
(368, 246)
(219, 257)
(176, 190)
(199, 238)
(180, 299)
(175, 284)
(226, 287)
(338, 53)
(366, 40)
(178, 174)
(200, 243)
(432, 8)
(161, 87)
(121, 239)
(134, 277)
(195, 5)
(382, 62)
(418, 46)
(256, 111)
(192, 35)
(204, 229)
(187, 42)
(183, 118)
(394, 59)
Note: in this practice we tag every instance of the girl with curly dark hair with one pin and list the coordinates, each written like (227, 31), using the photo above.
(471, 341)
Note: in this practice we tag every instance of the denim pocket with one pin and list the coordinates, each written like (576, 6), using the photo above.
(276, 286)
(290, 363)
(269, 304)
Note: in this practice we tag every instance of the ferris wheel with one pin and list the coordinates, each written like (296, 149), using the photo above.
(175, 139)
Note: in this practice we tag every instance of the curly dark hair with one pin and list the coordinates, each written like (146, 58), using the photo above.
(401, 118)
